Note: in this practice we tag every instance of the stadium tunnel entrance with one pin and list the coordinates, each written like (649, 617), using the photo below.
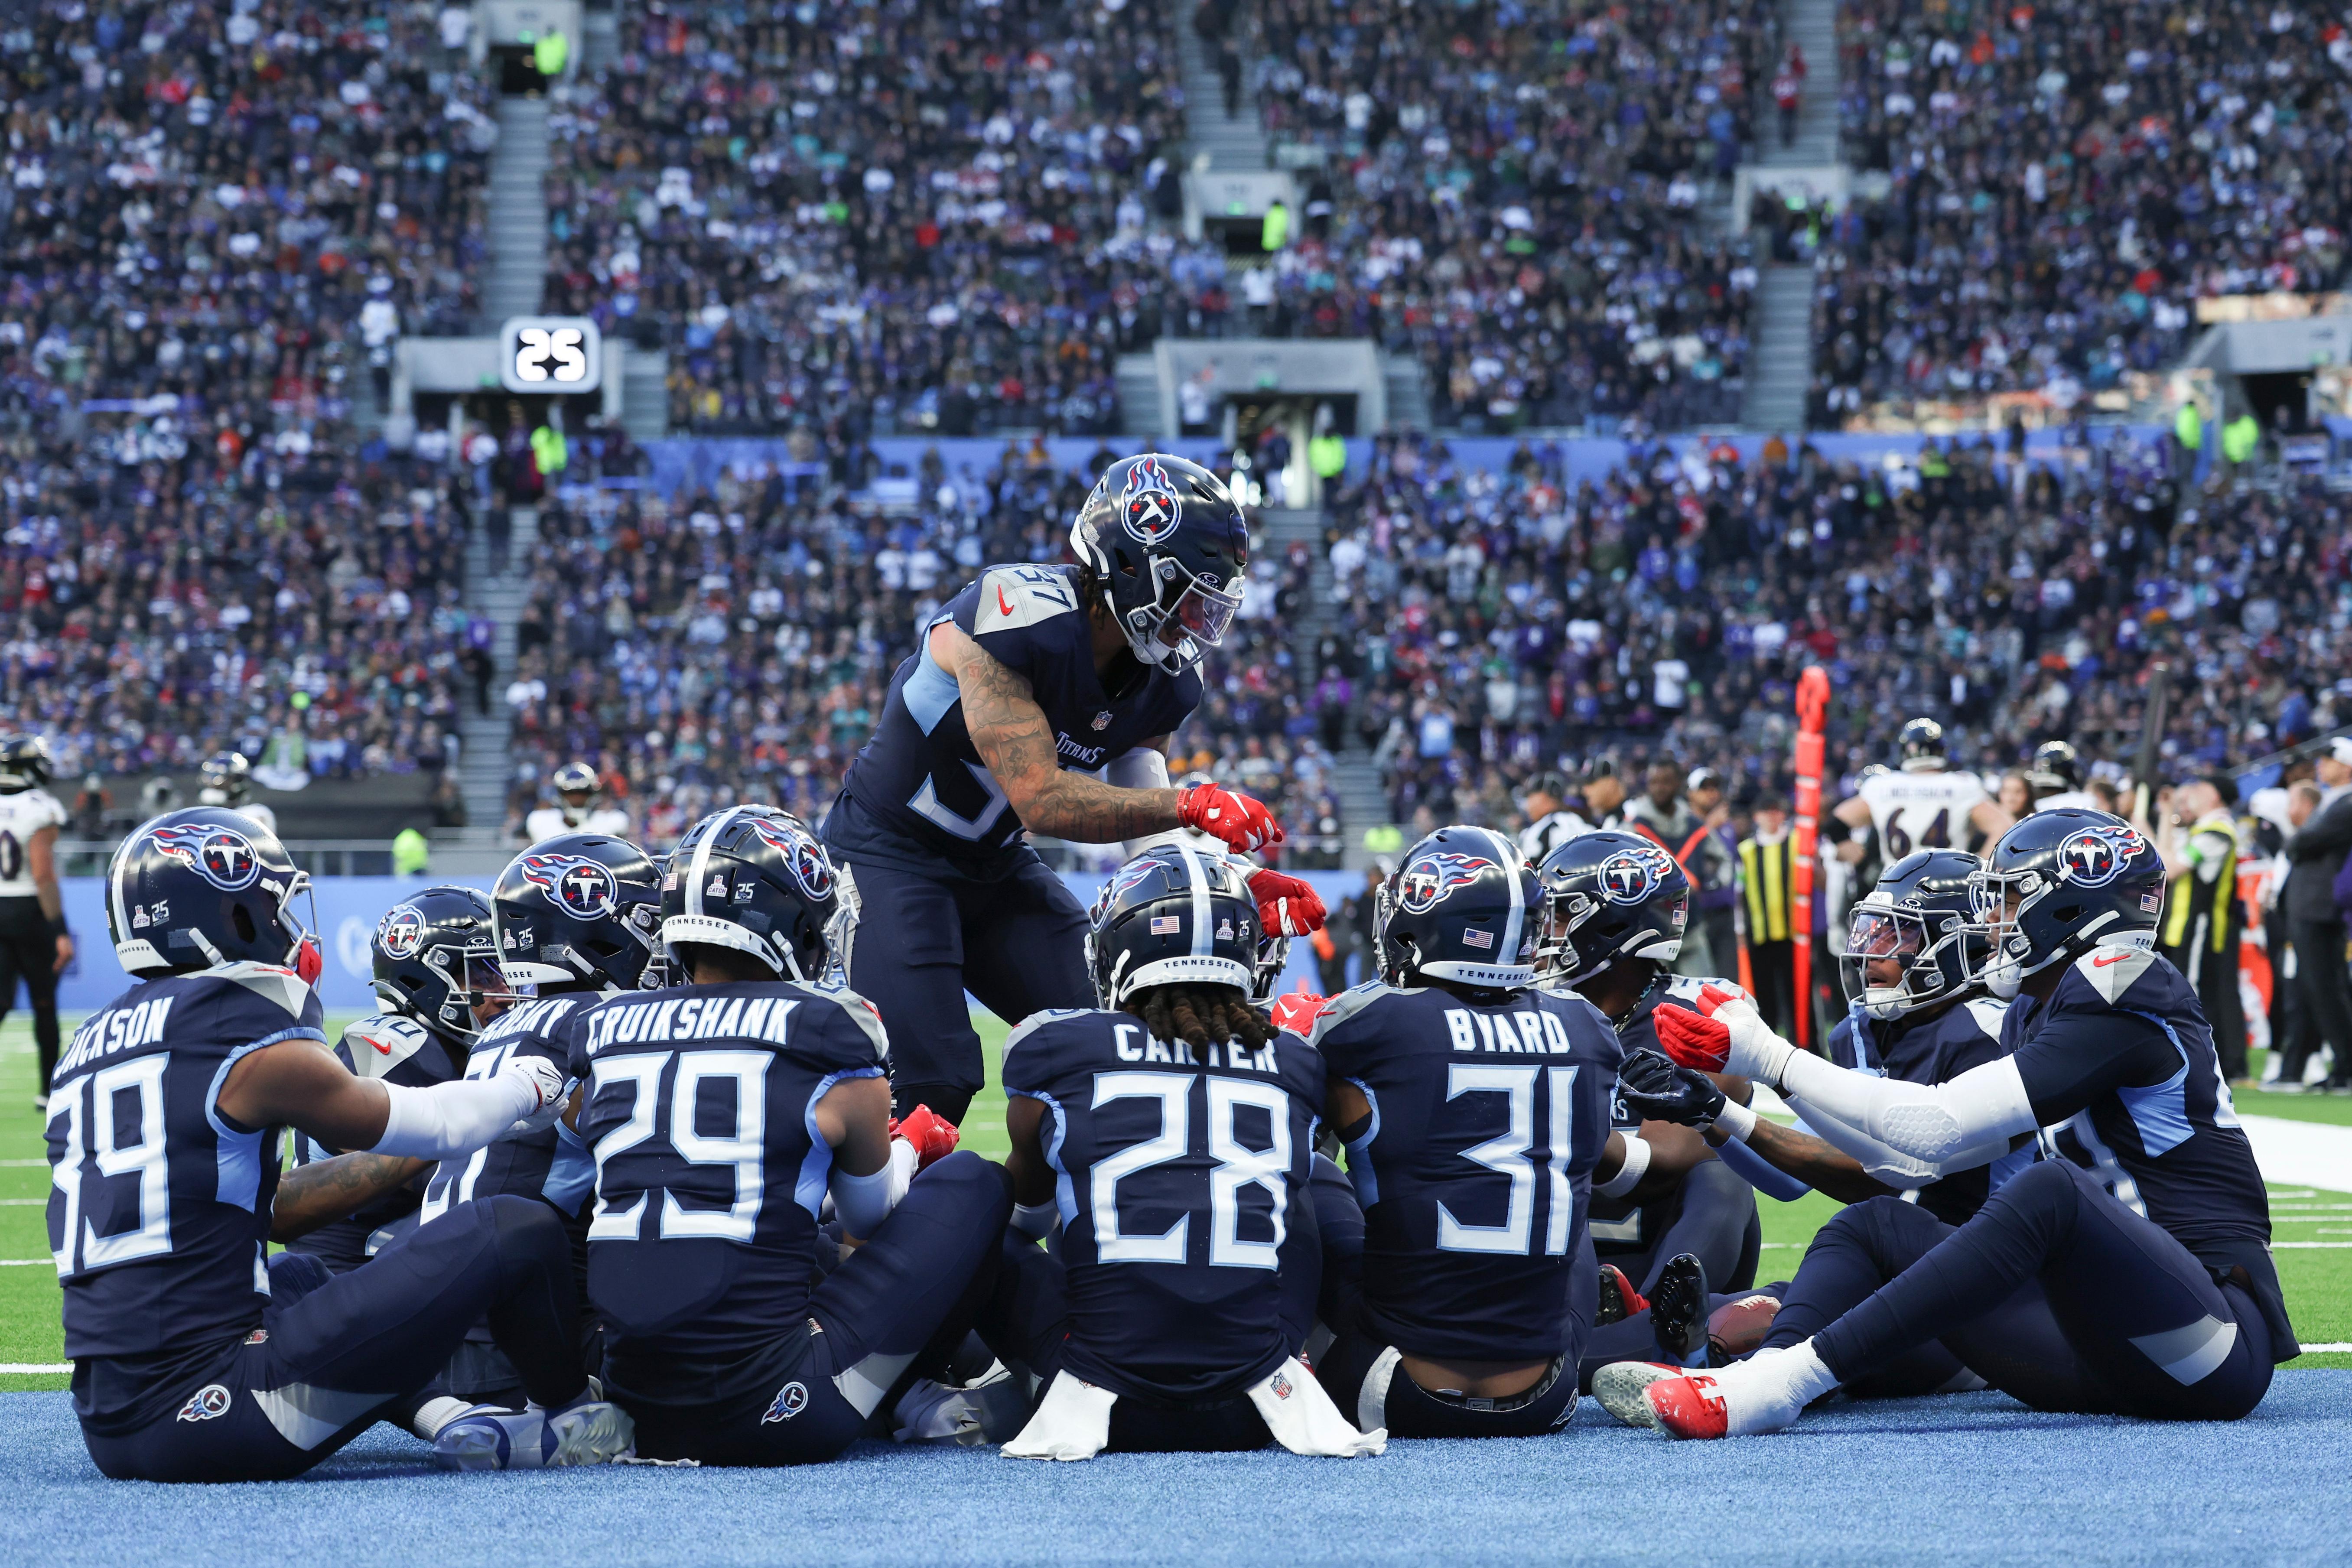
(1272, 435)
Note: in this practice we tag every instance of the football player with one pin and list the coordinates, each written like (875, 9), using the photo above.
(2139, 1282)
(1474, 1110)
(196, 1356)
(1927, 805)
(1669, 1218)
(2055, 777)
(35, 945)
(720, 1113)
(1184, 1288)
(576, 808)
(226, 779)
(575, 919)
(1024, 687)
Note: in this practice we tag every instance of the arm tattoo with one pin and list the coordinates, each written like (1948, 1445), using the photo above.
(325, 1191)
(1010, 733)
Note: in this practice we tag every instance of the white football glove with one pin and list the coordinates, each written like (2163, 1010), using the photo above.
(545, 1081)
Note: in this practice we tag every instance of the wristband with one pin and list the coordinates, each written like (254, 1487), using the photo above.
(1736, 1119)
(1629, 1174)
(58, 926)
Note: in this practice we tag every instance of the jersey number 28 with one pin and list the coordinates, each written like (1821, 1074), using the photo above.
(1237, 1167)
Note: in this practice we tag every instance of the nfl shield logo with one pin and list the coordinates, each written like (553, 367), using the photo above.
(1102, 719)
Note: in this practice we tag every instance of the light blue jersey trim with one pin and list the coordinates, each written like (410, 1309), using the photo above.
(1065, 1194)
(571, 1173)
(1360, 1174)
(816, 1165)
(929, 691)
(2160, 1110)
(238, 1155)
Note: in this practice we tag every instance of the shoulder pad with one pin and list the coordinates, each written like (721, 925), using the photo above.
(858, 1011)
(1338, 1010)
(1988, 1014)
(269, 981)
(380, 1042)
(2111, 967)
(1038, 1020)
(1012, 597)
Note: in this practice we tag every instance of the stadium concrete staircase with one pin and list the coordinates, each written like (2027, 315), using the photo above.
(1139, 413)
(1406, 381)
(1357, 783)
(494, 590)
(1811, 26)
(1779, 351)
(1230, 142)
(518, 213)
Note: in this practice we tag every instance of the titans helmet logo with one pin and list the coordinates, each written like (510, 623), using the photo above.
(1149, 506)
(581, 888)
(809, 865)
(2096, 856)
(1427, 881)
(400, 931)
(221, 855)
(1630, 876)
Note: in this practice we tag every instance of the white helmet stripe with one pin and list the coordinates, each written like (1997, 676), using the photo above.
(702, 859)
(1507, 853)
(1201, 944)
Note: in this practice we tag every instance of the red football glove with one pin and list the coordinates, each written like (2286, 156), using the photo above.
(1285, 905)
(933, 1135)
(1692, 1040)
(1725, 1034)
(1297, 1012)
(1244, 825)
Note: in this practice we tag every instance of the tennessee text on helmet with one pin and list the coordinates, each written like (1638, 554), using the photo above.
(1170, 549)
(1173, 915)
(578, 910)
(1608, 895)
(753, 878)
(193, 888)
(1919, 917)
(1463, 907)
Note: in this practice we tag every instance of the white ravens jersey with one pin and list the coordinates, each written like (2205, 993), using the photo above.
(1921, 811)
(547, 821)
(22, 814)
(2079, 799)
(1548, 832)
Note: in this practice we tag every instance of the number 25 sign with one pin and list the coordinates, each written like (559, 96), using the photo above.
(550, 354)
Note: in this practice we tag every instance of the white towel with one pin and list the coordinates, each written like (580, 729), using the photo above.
(1302, 1417)
(1072, 1422)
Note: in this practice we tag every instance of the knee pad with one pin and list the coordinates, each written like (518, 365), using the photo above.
(526, 1231)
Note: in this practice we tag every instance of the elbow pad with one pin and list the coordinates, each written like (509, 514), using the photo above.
(1629, 1176)
(453, 1118)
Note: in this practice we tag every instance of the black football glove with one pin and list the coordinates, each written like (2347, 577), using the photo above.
(1674, 1094)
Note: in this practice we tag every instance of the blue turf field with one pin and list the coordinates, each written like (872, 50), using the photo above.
(1964, 1479)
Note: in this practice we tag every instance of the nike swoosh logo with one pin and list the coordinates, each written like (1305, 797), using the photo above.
(1002, 603)
(379, 1045)
(2103, 962)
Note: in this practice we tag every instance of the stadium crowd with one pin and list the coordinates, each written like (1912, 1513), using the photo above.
(1510, 193)
(2067, 181)
(929, 218)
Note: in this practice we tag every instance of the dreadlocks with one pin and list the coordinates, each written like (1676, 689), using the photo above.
(1202, 1015)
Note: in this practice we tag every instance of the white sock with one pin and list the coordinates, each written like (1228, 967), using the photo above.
(436, 1413)
(1810, 1377)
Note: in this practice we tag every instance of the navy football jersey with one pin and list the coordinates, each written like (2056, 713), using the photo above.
(1620, 1226)
(2122, 1054)
(710, 1170)
(1475, 1169)
(1176, 1169)
(159, 1205)
(918, 794)
(552, 1165)
(1932, 1050)
(397, 1050)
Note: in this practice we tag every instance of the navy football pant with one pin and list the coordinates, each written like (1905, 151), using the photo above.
(2053, 1293)
(337, 1352)
(1018, 945)
(1713, 1217)
(893, 1310)
(1360, 1370)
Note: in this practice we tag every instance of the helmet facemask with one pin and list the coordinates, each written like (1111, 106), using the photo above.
(1185, 615)
(1888, 934)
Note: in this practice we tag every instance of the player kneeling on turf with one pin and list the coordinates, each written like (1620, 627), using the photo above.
(720, 1113)
(2059, 1290)
(1174, 1131)
(197, 1357)
(1474, 1110)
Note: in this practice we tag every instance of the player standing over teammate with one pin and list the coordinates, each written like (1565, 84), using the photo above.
(35, 946)
(1028, 682)
(576, 808)
(227, 781)
(196, 1356)
(2157, 1295)
(1175, 1129)
(1474, 1110)
(2055, 778)
(720, 1113)
(1927, 805)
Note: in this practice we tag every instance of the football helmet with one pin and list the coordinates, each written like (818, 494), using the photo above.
(578, 911)
(2055, 769)
(193, 888)
(1921, 746)
(1920, 914)
(226, 779)
(1174, 915)
(2057, 885)
(755, 879)
(1170, 549)
(434, 958)
(1608, 895)
(1463, 907)
(24, 763)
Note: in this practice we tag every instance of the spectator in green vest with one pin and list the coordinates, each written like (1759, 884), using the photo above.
(1327, 454)
(550, 53)
(2188, 428)
(1274, 232)
(1386, 838)
(2240, 437)
(410, 853)
(549, 451)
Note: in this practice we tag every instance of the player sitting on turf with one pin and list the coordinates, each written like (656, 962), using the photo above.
(1173, 1130)
(197, 1357)
(720, 1113)
(1474, 1110)
(1920, 1018)
(1671, 1218)
(575, 919)
(2156, 1295)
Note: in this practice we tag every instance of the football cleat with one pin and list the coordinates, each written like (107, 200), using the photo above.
(1678, 1307)
(589, 1431)
(1763, 1393)
(1737, 1328)
(1619, 1387)
(991, 1410)
(1619, 1300)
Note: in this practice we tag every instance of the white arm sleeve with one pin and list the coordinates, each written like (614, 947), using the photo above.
(1899, 1171)
(1953, 1126)
(1142, 768)
(457, 1118)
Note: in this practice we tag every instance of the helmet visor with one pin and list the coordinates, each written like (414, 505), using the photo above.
(1202, 613)
(1881, 933)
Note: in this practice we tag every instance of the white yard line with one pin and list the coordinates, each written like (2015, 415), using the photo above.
(34, 1368)
(2308, 1153)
